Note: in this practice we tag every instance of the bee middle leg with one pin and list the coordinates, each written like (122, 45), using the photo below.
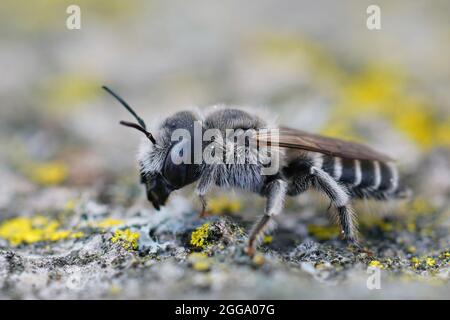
(275, 192)
(340, 200)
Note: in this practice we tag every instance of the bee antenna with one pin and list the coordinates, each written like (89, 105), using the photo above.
(127, 106)
(141, 126)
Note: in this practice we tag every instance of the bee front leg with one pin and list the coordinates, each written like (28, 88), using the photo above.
(275, 192)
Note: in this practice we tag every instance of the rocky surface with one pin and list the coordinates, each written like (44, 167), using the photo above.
(86, 249)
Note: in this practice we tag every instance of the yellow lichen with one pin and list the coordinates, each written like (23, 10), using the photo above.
(411, 249)
(384, 92)
(341, 129)
(221, 205)
(47, 174)
(69, 91)
(323, 232)
(70, 205)
(411, 227)
(420, 206)
(415, 262)
(299, 54)
(199, 236)
(77, 235)
(28, 230)
(380, 89)
(267, 239)
(199, 261)
(57, 235)
(430, 262)
(376, 264)
(385, 226)
(108, 223)
(371, 221)
(201, 265)
(126, 238)
(114, 290)
(417, 125)
(424, 262)
(37, 19)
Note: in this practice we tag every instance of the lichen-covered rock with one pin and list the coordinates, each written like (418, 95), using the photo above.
(174, 254)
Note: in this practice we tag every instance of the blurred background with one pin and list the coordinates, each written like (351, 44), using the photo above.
(313, 63)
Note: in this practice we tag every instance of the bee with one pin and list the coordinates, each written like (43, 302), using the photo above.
(341, 170)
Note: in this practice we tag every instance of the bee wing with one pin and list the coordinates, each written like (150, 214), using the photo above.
(298, 139)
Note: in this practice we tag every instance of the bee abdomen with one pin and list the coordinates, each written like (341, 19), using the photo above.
(363, 178)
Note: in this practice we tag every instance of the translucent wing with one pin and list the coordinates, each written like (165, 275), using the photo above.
(298, 139)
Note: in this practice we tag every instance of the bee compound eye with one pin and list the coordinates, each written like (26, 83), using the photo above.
(174, 170)
(179, 167)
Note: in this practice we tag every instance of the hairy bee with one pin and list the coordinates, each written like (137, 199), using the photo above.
(341, 170)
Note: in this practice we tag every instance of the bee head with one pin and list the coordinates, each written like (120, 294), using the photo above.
(159, 173)
(160, 184)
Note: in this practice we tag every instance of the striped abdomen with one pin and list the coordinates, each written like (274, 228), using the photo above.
(363, 178)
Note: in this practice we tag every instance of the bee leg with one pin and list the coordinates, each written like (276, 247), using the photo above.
(340, 200)
(204, 203)
(346, 220)
(256, 233)
(205, 182)
(275, 192)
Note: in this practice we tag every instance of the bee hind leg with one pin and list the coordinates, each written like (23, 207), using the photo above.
(256, 234)
(341, 201)
(347, 223)
(275, 192)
